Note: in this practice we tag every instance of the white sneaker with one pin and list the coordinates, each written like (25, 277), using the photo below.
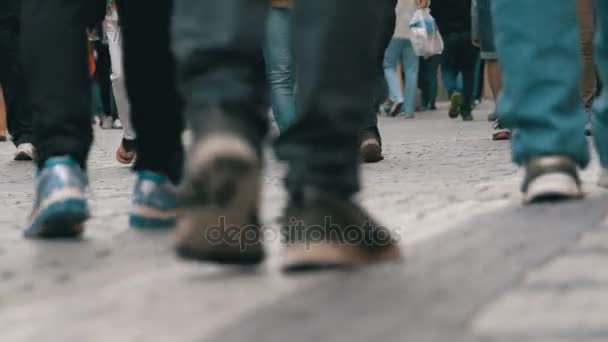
(551, 179)
(117, 124)
(25, 152)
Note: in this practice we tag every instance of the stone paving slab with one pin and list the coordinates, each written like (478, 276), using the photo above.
(475, 258)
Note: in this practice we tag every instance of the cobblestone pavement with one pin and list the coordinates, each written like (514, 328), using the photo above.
(479, 266)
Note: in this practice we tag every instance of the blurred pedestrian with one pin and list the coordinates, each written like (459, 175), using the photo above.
(539, 50)
(18, 114)
(400, 51)
(460, 56)
(58, 88)
(337, 47)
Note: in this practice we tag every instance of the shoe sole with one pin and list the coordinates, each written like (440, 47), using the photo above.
(226, 182)
(501, 136)
(63, 219)
(552, 187)
(320, 257)
(371, 152)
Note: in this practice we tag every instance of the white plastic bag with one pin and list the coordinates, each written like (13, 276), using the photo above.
(425, 36)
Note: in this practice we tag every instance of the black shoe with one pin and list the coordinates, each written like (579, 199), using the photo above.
(218, 203)
(370, 148)
(395, 109)
(466, 116)
(551, 179)
(322, 230)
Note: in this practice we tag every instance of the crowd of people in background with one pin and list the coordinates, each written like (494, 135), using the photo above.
(210, 65)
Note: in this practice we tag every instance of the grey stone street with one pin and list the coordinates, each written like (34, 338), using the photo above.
(479, 266)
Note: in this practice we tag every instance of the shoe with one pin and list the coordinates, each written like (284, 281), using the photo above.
(499, 133)
(219, 203)
(395, 109)
(61, 208)
(370, 149)
(325, 231)
(106, 122)
(154, 202)
(385, 108)
(25, 152)
(603, 179)
(408, 115)
(117, 124)
(551, 179)
(492, 117)
(125, 153)
(455, 102)
(3, 137)
(466, 116)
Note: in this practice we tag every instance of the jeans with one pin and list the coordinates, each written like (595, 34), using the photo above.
(11, 77)
(278, 54)
(452, 79)
(401, 51)
(543, 105)
(118, 80)
(460, 57)
(428, 80)
(59, 88)
(215, 42)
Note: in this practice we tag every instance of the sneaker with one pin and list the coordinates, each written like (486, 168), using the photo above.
(466, 116)
(106, 122)
(499, 133)
(117, 124)
(125, 153)
(324, 231)
(395, 109)
(60, 209)
(551, 179)
(154, 202)
(25, 152)
(370, 149)
(455, 102)
(219, 203)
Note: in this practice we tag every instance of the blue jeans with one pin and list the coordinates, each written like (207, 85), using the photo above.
(278, 54)
(428, 80)
(401, 50)
(541, 63)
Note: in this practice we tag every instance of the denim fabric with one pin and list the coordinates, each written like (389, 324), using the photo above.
(428, 80)
(538, 46)
(401, 51)
(486, 30)
(278, 54)
(215, 43)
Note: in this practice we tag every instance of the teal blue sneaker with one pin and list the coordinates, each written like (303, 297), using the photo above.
(154, 202)
(61, 208)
